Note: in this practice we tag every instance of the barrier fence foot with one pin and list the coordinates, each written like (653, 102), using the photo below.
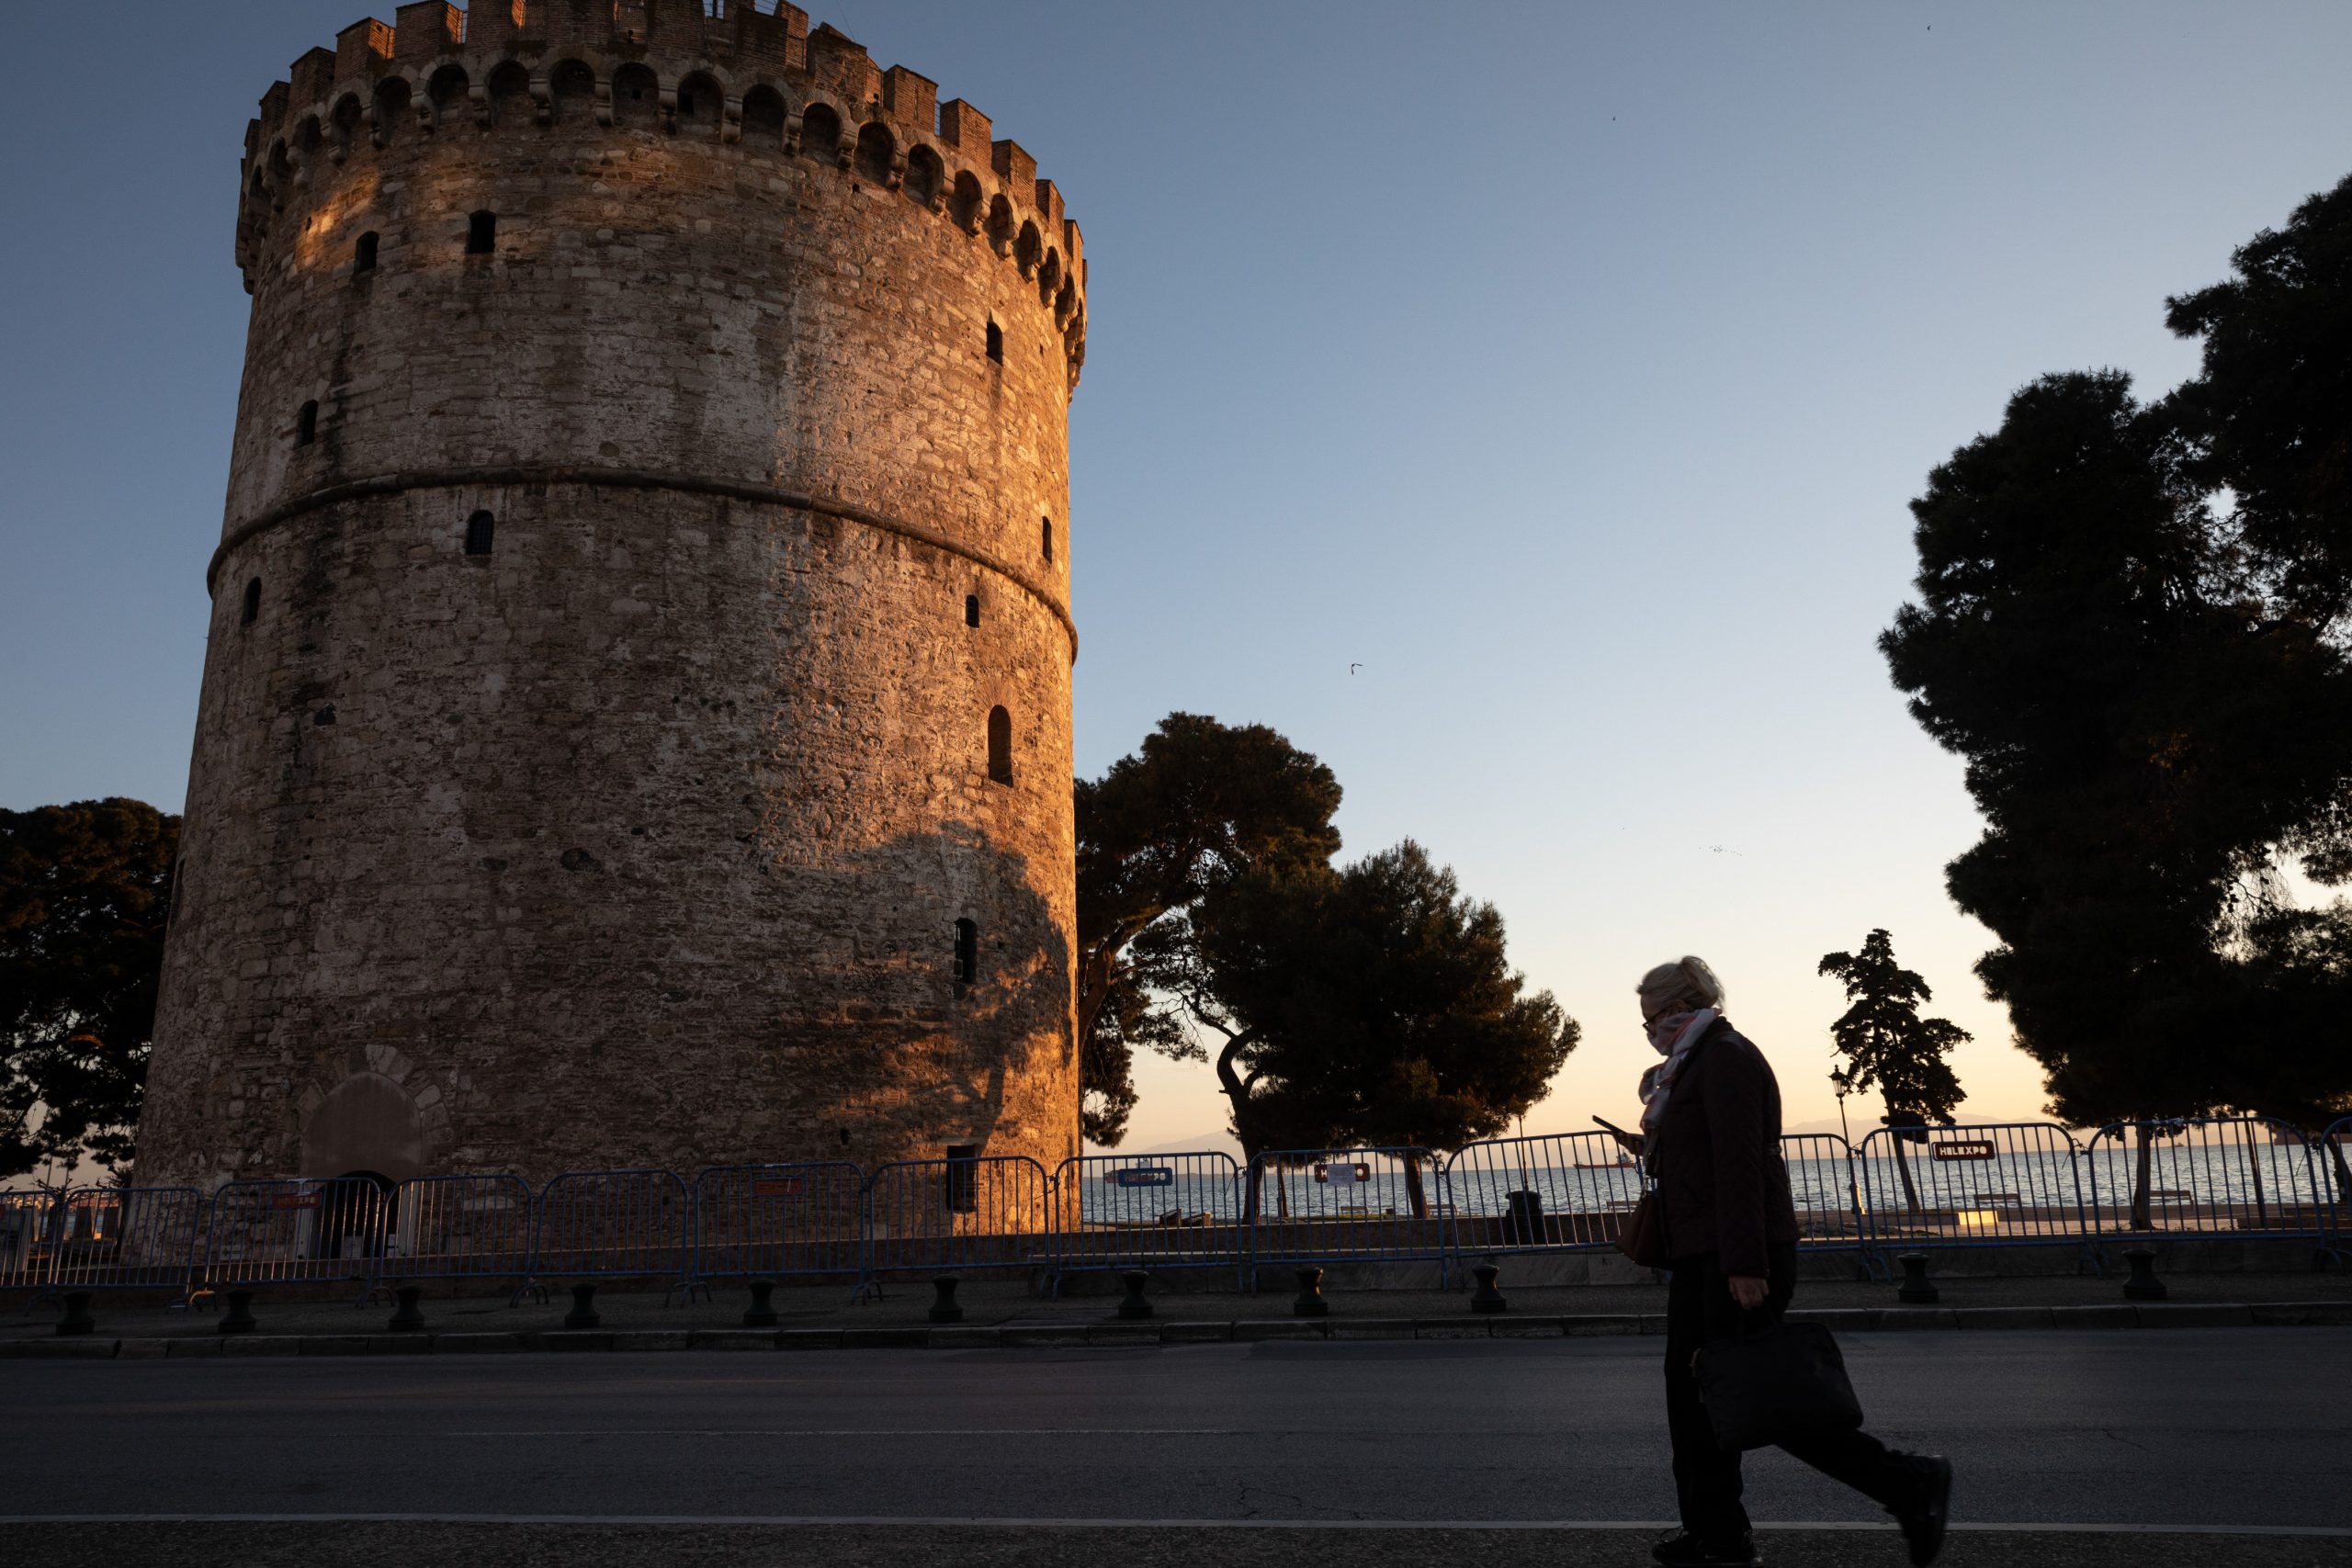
(1917, 1289)
(2143, 1285)
(239, 1318)
(760, 1314)
(407, 1317)
(1485, 1298)
(945, 1309)
(1310, 1301)
(584, 1314)
(1132, 1304)
(77, 1318)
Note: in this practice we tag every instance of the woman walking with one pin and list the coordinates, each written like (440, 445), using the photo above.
(1711, 1137)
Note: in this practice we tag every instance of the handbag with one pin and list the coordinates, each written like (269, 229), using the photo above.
(1788, 1381)
(1643, 1235)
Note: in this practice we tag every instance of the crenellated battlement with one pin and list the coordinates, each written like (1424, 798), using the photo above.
(744, 77)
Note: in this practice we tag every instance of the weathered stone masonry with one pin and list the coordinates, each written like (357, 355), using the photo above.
(593, 761)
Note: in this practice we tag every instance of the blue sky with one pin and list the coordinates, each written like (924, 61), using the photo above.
(1567, 366)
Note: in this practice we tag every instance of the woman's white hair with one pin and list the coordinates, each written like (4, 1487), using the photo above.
(1686, 979)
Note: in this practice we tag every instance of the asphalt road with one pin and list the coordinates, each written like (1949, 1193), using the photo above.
(2234, 1427)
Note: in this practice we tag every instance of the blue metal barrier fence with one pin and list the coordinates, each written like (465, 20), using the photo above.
(2207, 1177)
(295, 1231)
(1826, 1191)
(459, 1227)
(29, 1224)
(1988, 1184)
(116, 1238)
(1552, 1192)
(1360, 1205)
(990, 1214)
(780, 1221)
(605, 1225)
(1163, 1211)
(2335, 1158)
(2006, 1184)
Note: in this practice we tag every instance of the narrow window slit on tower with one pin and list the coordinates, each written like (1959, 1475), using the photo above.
(967, 952)
(971, 609)
(1045, 537)
(363, 258)
(482, 234)
(252, 612)
(306, 424)
(1000, 746)
(479, 530)
(963, 1179)
(996, 343)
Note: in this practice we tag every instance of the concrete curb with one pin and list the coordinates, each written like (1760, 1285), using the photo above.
(1079, 1335)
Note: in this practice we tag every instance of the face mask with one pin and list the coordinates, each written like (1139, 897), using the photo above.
(1665, 1027)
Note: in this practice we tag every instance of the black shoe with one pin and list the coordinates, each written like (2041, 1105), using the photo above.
(1923, 1522)
(1683, 1549)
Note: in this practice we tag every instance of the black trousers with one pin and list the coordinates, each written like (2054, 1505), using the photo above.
(1706, 1478)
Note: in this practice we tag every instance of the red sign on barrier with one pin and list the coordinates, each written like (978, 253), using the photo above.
(775, 1187)
(294, 1200)
(1973, 1149)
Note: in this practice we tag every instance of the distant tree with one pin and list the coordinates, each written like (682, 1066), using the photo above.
(1200, 804)
(1888, 1046)
(85, 895)
(2145, 735)
(1372, 1004)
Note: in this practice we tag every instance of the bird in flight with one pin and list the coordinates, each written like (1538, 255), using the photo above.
(1353, 668)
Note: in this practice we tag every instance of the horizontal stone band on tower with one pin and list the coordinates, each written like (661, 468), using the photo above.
(631, 478)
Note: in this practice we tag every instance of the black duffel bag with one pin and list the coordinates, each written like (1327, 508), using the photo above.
(1788, 1381)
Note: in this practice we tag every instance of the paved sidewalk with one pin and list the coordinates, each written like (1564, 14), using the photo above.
(996, 1303)
(1008, 1314)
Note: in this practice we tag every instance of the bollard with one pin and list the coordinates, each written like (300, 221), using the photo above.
(1310, 1301)
(77, 1318)
(760, 1314)
(944, 1309)
(2143, 1285)
(1485, 1298)
(1132, 1305)
(407, 1317)
(239, 1318)
(583, 1313)
(1917, 1289)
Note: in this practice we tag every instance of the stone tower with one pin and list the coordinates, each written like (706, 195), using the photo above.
(636, 724)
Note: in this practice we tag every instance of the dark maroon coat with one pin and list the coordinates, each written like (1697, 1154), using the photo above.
(1717, 1160)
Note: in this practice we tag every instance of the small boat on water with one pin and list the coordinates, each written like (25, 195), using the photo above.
(1622, 1162)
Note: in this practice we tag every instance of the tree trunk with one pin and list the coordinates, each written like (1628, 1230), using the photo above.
(2335, 1158)
(2254, 1168)
(1093, 989)
(1903, 1164)
(2140, 1217)
(1236, 1094)
(1416, 1195)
